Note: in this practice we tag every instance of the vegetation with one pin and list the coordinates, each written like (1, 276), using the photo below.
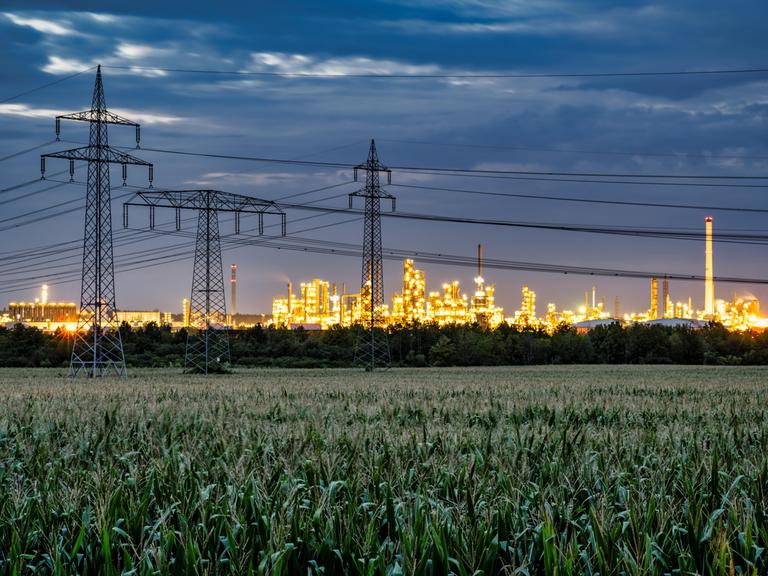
(539, 470)
(418, 345)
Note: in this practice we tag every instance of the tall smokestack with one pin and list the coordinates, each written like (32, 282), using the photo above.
(233, 287)
(654, 312)
(290, 297)
(665, 297)
(709, 283)
(480, 260)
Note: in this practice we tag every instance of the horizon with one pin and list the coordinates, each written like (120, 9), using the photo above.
(712, 124)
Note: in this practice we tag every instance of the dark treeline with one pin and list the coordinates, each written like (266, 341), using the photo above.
(417, 345)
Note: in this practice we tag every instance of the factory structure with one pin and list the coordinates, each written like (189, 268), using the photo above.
(52, 316)
(42, 314)
(319, 304)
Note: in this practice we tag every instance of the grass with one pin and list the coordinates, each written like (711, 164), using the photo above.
(542, 470)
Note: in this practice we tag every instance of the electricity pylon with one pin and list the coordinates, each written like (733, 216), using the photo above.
(98, 347)
(372, 348)
(207, 341)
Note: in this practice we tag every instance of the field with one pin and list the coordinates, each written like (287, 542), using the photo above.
(542, 470)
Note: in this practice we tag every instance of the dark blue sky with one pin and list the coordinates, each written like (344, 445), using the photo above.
(708, 125)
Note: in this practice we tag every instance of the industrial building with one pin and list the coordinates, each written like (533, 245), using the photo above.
(138, 318)
(42, 314)
(320, 306)
(316, 307)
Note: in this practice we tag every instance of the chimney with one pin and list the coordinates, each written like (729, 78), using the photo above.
(233, 287)
(665, 297)
(709, 282)
(480, 260)
(290, 297)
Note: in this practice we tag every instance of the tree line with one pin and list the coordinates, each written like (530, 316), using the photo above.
(416, 345)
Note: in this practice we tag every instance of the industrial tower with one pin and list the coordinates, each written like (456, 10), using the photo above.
(709, 281)
(372, 349)
(207, 341)
(98, 347)
(233, 290)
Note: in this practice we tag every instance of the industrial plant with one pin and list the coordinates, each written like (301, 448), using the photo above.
(319, 305)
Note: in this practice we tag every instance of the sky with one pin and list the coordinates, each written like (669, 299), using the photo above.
(657, 124)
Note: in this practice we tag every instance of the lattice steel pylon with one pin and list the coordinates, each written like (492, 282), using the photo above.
(208, 337)
(372, 348)
(98, 348)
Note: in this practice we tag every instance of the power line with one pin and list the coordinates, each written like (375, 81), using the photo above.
(584, 200)
(27, 150)
(137, 264)
(710, 72)
(668, 233)
(588, 181)
(577, 151)
(27, 183)
(47, 85)
(35, 193)
(447, 171)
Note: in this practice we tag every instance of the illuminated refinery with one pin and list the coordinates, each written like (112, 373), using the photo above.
(319, 307)
(320, 304)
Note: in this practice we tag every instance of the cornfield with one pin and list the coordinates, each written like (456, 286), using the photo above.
(542, 470)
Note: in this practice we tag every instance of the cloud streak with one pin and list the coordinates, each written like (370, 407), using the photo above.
(285, 63)
(39, 24)
(142, 117)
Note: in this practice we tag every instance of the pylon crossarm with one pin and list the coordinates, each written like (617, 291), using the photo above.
(103, 116)
(204, 200)
(103, 154)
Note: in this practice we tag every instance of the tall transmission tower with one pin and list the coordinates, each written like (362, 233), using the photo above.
(98, 347)
(372, 349)
(207, 340)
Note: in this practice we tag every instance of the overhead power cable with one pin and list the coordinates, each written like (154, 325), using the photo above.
(484, 75)
(26, 151)
(138, 264)
(676, 155)
(46, 85)
(668, 233)
(448, 171)
(584, 200)
(28, 183)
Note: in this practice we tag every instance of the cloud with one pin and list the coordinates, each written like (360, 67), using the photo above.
(146, 54)
(149, 118)
(25, 111)
(244, 178)
(488, 8)
(543, 27)
(542, 19)
(39, 25)
(58, 65)
(135, 51)
(285, 63)
(103, 18)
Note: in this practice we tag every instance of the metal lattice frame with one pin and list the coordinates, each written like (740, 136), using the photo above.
(208, 337)
(372, 348)
(98, 348)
